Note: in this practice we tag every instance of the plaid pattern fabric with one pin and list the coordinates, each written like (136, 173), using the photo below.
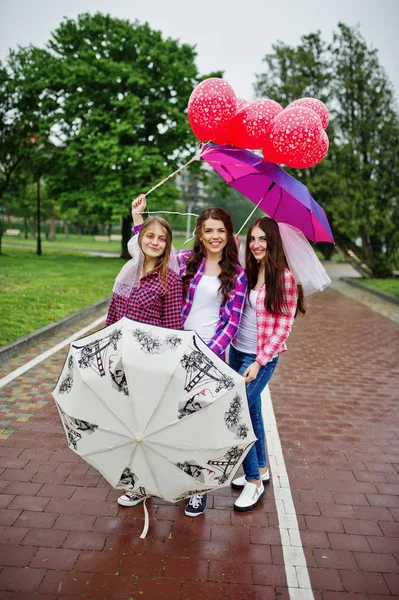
(273, 330)
(148, 303)
(230, 312)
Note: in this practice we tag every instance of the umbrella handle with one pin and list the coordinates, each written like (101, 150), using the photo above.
(257, 206)
(247, 219)
(146, 520)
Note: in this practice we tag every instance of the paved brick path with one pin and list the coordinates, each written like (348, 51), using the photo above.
(335, 395)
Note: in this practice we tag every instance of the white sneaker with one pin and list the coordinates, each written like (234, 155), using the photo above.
(240, 482)
(130, 499)
(249, 497)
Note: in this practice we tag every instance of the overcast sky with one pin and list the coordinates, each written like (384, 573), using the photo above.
(231, 35)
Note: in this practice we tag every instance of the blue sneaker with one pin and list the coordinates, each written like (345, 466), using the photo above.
(196, 506)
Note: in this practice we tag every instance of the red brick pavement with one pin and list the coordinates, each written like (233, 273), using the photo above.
(335, 396)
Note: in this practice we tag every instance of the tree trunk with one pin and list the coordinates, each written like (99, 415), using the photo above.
(52, 225)
(66, 229)
(25, 227)
(326, 249)
(126, 232)
(348, 256)
(38, 215)
(1, 225)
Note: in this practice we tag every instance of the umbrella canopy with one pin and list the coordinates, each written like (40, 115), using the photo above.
(154, 410)
(278, 194)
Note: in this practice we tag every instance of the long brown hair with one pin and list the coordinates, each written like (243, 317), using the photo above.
(275, 264)
(229, 260)
(162, 262)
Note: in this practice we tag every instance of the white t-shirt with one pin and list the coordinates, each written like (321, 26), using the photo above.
(205, 311)
(246, 340)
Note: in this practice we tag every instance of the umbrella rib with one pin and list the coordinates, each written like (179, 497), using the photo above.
(311, 220)
(144, 434)
(152, 470)
(180, 471)
(185, 447)
(100, 451)
(108, 406)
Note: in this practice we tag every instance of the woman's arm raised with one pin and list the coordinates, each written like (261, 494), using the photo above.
(138, 207)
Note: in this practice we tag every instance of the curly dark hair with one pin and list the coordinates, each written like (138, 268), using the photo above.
(229, 261)
(274, 268)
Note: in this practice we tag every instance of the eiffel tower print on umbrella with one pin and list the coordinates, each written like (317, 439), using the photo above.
(138, 440)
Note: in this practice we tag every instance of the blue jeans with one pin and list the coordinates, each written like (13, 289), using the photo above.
(256, 457)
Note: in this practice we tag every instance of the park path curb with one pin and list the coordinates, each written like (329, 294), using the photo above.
(26, 341)
(354, 282)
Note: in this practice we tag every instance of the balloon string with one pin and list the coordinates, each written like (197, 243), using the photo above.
(170, 212)
(196, 156)
(200, 153)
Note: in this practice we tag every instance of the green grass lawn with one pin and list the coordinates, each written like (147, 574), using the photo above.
(388, 286)
(36, 291)
(74, 242)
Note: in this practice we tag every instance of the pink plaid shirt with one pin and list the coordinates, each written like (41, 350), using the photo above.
(273, 330)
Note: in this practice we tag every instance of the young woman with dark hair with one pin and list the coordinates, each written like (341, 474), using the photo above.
(214, 288)
(272, 302)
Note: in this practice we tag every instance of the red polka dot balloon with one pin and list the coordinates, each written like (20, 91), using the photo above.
(248, 128)
(292, 135)
(317, 105)
(211, 108)
(241, 103)
(315, 155)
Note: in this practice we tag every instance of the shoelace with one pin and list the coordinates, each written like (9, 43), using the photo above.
(195, 501)
(132, 496)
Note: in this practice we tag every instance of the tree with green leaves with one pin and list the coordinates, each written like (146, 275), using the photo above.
(122, 90)
(367, 132)
(357, 183)
(107, 100)
(26, 117)
(295, 72)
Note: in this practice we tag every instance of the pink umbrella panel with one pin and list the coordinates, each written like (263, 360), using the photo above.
(267, 185)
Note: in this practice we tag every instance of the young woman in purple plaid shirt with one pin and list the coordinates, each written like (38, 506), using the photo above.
(273, 300)
(214, 288)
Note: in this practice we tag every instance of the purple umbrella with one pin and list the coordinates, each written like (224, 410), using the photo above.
(278, 194)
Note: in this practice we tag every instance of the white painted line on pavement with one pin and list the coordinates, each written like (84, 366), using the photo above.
(35, 361)
(297, 574)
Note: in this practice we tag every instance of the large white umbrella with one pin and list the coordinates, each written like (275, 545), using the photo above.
(154, 410)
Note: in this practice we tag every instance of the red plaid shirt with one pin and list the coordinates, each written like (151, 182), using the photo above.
(273, 330)
(149, 304)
